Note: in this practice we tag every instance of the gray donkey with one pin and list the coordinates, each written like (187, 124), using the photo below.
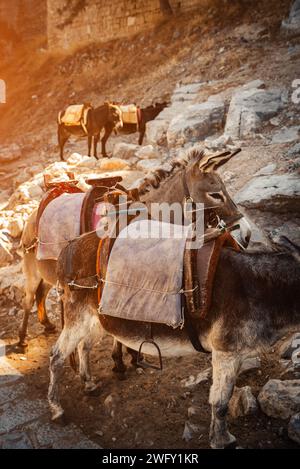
(255, 299)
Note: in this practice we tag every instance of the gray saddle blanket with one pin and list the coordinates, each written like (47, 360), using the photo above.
(145, 274)
(59, 223)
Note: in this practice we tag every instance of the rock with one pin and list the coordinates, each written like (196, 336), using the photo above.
(218, 143)
(249, 107)
(113, 164)
(287, 135)
(266, 170)
(294, 428)
(291, 26)
(5, 247)
(12, 282)
(16, 440)
(250, 364)
(289, 346)
(275, 121)
(10, 153)
(242, 402)
(76, 158)
(196, 122)
(293, 151)
(147, 152)
(190, 429)
(201, 377)
(125, 151)
(156, 131)
(280, 399)
(186, 92)
(148, 165)
(15, 226)
(276, 193)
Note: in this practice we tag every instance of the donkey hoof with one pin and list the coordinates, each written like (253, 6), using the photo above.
(60, 419)
(20, 347)
(226, 441)
(93, 392)
(49, 329)
(119, 369)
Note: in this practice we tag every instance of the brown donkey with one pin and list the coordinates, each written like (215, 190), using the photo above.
(254, 300)
(107, 117)
(181, 181)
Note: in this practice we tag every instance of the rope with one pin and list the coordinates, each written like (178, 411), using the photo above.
(148, 289)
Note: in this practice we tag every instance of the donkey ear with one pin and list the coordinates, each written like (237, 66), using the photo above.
(215, 161)
(207, 160)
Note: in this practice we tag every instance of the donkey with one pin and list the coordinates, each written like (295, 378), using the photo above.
(147, 114)
(254, 300)
(168, 186)
(107, 116)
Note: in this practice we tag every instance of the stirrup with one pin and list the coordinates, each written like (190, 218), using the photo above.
(142, 363)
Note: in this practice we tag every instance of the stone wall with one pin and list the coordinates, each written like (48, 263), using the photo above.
(72, 23)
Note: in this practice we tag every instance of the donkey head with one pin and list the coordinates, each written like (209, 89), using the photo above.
(115, 116)
(205, 185)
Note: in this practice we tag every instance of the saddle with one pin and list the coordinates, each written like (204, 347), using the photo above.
(75, 115)
(141, 283)
(70, 217)
(129, 114)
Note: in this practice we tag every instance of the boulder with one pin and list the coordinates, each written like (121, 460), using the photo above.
(148, 165)
(147, 152)
(289, 346)
(186, 92)
(294, 428)
(294, 151)
(12, 282)
(291, 25)
(10, 153)
(287, 135)
(249, 107)
(275, 193)
(125, 151)
(218, 143)
(5, 247)
(251, 363)
(112, 164)
(156, 131)
(242, 402)
(196, 122)
(15, 226)
(280, 399)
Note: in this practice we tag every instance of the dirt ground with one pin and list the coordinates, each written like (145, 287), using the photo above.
(150, 407)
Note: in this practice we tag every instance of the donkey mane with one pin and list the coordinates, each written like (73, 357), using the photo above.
(153, 180)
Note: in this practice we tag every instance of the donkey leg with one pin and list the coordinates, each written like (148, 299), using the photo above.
(96, 140)
(225, 371)
(89, 144)
(92, 388)
(108, 131)
(32, 281)
(62, 137)
(117, 357)
(134, 356)
(142, 131)
(68, 340)
(40, 296)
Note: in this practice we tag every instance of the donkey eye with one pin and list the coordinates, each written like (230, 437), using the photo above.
(217, 196)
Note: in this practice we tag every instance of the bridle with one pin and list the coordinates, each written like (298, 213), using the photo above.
(220, 225)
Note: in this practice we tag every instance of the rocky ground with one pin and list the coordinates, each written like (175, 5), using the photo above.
(245, 96)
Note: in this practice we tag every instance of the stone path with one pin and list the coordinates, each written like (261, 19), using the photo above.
(24, 423)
